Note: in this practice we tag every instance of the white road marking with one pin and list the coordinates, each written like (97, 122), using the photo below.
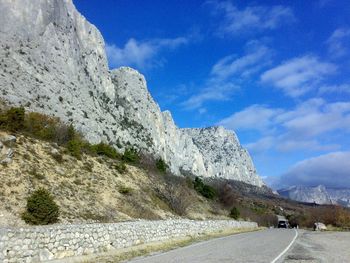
(286, 249)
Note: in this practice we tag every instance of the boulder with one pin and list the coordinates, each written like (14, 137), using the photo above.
(6, 156)
(8, 139)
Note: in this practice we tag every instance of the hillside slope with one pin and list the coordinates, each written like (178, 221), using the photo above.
(92, 184)
(93, 189)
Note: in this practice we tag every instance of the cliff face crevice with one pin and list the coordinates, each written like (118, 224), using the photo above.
(52, 60)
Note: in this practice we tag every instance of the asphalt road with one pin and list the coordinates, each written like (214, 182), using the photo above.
(320, 247)
(261, 246)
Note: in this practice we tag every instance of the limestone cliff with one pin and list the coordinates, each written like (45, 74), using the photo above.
(53, 61)
(223, 155)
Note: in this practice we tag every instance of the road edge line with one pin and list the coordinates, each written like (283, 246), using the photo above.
(286, 249)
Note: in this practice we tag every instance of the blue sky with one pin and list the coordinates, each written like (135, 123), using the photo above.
(275, 72)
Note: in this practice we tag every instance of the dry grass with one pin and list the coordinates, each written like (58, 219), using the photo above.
(87, 190)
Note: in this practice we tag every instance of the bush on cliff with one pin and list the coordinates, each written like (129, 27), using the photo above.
(105, 149)
(13, 119)
(75, 144)
(41, 208)
(74, 147)
(51, 129)
(131, 156)
(161, 166)
(176, 193)
(234, 213)
(42, 126)
(206, 190)
(37, 125)
(121, 167)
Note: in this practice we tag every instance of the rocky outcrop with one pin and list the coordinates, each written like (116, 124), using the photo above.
(6, 151)
(142, 124)
(53, 61)
(223, 155)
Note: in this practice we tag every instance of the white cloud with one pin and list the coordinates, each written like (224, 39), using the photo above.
(257, 117)
(301, 128)
(245, 65)
(202, 110)
(297, 76)
(140, 54)
(226, 74)
(250, 19)
(261, 145)
(331, 170)
(315, 117)
(338, 42)
(290, 145)
(342, 88)
(214, 92)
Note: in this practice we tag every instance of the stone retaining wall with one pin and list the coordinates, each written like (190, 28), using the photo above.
(43, 243)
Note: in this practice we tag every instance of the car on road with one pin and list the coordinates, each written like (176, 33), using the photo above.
(282, 224)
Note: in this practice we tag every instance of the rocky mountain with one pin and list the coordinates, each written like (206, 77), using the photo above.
(319, 195)
(52, 60)
(223, 155)
(306, 194)
(340, 196)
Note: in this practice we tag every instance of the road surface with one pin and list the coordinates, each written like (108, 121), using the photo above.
(261, 246)
(320, 247)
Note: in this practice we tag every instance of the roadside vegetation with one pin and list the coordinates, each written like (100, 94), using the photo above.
(204, 189)
(334, 216)
(41, 208)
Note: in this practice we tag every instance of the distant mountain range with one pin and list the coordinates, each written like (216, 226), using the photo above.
(319, 195)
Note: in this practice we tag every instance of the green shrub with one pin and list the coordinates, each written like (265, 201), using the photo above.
(71, 133)
(3, 121)
(78, 182)
(234, 213)
(208, 192)
(205, 190)
(88, 166)
(161, 166)
(34, 172)
(74, 147)
(58, 157)
(130, 156)
(41, 126)
(41, 208)
(105, 149)
(13, 119)
(121, 167)
(125, 190)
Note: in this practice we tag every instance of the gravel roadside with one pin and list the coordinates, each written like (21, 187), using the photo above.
(320, 247)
